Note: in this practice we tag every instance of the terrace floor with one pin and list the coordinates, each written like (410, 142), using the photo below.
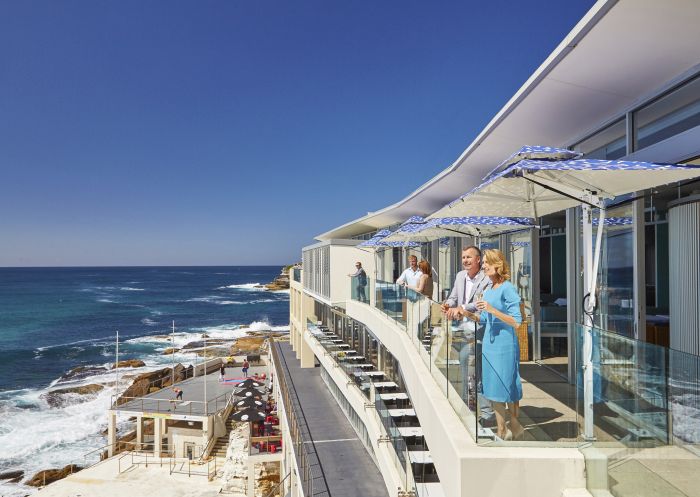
(341, 456)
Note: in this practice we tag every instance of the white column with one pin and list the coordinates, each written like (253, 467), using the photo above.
(587, 352)
(157, 436)
(639, 273)
(139, 432)
(111, 432)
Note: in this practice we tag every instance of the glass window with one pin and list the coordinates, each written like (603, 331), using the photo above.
(668, 115)
(608, 143)
(615, 308)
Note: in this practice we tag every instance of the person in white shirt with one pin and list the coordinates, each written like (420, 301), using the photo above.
(411, 276)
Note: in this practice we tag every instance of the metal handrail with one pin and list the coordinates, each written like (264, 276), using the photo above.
(153, 383)
(307, 475)
(171, 402)
(213, 440)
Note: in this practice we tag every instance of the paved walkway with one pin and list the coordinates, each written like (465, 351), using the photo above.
(348, 469)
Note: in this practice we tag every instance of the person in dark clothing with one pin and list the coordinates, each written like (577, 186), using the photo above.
(360, 281)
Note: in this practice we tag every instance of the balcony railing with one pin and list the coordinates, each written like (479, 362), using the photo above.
(646, 397)
(359, 288)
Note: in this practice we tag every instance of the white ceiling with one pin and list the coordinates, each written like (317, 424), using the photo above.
(618, 54)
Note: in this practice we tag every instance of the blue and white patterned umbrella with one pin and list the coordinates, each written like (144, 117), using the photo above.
(534, 188)
(376, 238)
(456, 226)
(538, 152)
(379, 240)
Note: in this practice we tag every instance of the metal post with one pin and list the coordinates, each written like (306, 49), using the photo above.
(116, 367)
(588, 323)
(591, 258)
(205, 375)
(172, 354)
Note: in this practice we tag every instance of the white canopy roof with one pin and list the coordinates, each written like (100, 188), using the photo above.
(615, 57)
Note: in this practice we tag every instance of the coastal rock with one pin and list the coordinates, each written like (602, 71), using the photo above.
(269, 478)
(170, 350)
(51, 475)
(213, 352)
(65, 396)
(199, 344)
(249, 344)
(80, 372)
(145, 382)
(13, 476)
(281, 282)
(130, 363)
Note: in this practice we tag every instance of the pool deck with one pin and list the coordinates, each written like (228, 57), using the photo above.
(192, 403)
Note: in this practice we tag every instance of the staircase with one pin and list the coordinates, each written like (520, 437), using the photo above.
(221, 443)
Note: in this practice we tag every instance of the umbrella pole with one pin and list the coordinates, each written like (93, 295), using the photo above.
(591, 258)
(588, 323)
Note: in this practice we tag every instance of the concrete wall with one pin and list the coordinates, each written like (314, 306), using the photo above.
(343, 259)
(177, 437)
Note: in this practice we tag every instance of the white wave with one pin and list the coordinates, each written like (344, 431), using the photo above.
(149, 322)
(89, 340)
(106, 301)
(131, 289)
(211, 299)
(285, 291)
(35, 437)
(257, 301)
(263, 326)
(251, 287)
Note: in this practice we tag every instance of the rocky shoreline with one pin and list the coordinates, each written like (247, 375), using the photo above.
(142, 384)
(281, 282)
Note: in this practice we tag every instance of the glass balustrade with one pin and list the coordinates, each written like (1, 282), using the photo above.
(359, 288)
(646, 414)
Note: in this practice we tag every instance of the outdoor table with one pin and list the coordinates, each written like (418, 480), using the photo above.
(393, 396)
(336, 340)
(364, 365)
(410, 431)
(374, 373)
(343, 345)
(400, 413)
(353, 357)
(385, 384)
(420, 456)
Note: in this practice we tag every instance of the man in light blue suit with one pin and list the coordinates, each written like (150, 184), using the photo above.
(469, 286)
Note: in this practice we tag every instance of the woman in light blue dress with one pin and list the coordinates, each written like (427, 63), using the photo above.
(499, 312)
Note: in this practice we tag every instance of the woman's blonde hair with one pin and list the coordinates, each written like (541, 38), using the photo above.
(495, 258)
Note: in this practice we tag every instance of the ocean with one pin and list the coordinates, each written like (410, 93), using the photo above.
(55, 319)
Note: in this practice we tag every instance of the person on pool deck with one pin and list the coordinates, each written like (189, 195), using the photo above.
(222, 372)
(499, 312)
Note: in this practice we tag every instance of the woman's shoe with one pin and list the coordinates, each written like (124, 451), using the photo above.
(509, 435)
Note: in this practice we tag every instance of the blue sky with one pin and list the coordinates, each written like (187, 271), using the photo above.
(175, 133)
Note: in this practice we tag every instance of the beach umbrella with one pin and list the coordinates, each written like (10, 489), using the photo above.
(248, 392)
(537, 187)
(249, 415)
(250, 383)
(249, 402)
